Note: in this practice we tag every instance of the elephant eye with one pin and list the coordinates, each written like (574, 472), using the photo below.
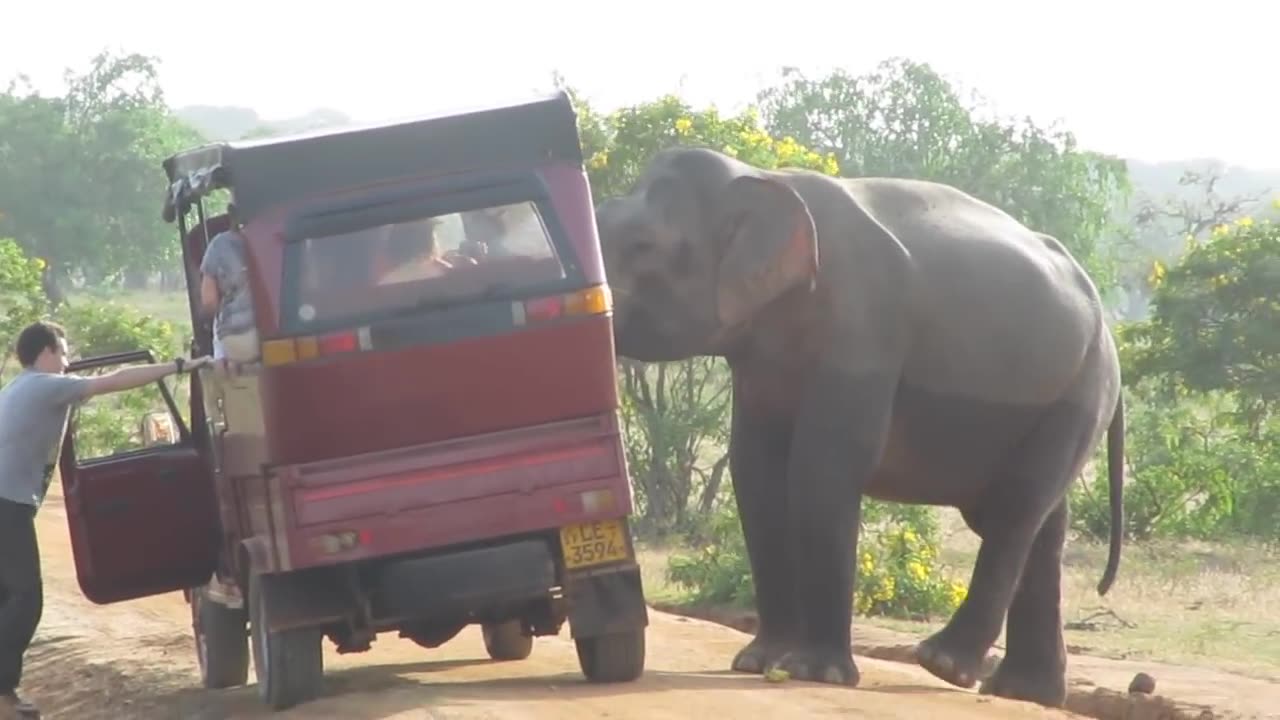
(639, 247)
(683, 257)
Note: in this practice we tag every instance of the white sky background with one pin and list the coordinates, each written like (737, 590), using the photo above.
(1144, 79)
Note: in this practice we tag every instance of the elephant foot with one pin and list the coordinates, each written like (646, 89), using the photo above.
(950, 661)
(1017, 681)
(823, 665)
(757, 656)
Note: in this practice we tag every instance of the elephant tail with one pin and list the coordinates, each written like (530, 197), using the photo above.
(1115, 478)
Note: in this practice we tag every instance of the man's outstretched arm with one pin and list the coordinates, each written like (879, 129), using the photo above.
(137, 376)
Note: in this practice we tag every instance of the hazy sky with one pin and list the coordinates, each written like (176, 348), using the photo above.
(1153, 80)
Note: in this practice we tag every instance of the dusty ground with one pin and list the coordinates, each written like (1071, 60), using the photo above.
(135, 660)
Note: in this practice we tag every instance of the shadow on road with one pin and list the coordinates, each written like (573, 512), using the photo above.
(68, 678)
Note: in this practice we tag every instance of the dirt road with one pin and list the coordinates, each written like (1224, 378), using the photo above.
(134, 660)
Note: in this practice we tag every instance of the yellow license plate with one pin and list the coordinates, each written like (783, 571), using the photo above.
(593, 543)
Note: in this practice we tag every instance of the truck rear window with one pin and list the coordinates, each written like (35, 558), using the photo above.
(488, 254)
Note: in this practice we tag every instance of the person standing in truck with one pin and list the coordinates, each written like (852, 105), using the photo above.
(225, 295)
(34, 409)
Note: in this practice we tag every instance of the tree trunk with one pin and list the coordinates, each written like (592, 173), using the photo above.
(49, 283)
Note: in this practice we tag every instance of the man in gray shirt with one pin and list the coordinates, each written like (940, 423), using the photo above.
(34, 408)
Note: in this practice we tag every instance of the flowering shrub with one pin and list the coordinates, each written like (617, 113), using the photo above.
(898, 576)
(898, 573)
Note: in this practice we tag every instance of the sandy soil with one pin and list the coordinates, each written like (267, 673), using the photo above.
(135, 660)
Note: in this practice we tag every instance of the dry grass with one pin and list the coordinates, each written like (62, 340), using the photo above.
(1199, 604)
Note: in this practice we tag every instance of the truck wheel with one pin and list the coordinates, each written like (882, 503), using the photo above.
(289, 664)
(507, 641)
(222, 642)
(617, 657)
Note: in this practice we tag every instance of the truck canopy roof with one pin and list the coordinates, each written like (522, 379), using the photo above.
(267, 172)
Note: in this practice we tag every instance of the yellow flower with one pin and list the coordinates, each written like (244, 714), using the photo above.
(958, 593)
(1219, 230)
(599, 160)
(887, 588)
(1245, 221)
(917, 571)
(1276, 203)
(866, 564)
(908, 535)
(40, 263)
(683, 126)
(1156, 277)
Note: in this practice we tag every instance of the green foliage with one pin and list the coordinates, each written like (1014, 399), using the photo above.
(719, 573)
(1204, 378)
(110, 424)
(1215, 323)
(905, 120)
(97, 152)
(104, 328)
(22, 301)
(897, 575)
(620, 145)
(674, 428)
(1194, 472)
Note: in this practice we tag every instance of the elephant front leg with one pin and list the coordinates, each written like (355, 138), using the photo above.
(838, 442)
(759, 448)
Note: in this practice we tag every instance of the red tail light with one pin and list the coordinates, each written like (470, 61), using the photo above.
(338, 343)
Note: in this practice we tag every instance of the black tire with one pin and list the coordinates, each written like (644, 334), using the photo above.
(613, 658)
(222, 642)
(289, 664)
(507, 641)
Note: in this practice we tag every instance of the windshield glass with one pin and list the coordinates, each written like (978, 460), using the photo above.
(491, 253)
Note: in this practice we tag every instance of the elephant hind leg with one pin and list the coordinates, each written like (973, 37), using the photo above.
(1010, 518)
(1034, 667)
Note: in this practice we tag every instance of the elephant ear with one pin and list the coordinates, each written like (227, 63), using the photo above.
(769, 245)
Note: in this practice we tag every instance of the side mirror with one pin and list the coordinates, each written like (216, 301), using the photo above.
(158, 429)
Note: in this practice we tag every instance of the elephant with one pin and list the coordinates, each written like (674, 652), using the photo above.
(889, 338)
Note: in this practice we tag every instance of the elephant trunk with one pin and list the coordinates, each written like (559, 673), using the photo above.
(1115, 477)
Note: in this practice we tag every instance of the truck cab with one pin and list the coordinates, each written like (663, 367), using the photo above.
(426, 435)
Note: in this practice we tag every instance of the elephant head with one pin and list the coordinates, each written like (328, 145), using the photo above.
(699, 246)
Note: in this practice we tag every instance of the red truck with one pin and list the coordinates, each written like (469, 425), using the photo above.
(428, 436)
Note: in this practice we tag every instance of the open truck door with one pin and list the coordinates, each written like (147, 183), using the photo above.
(143, 516)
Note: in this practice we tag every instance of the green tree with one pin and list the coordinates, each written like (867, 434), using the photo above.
(1162, 222)
(80, 174)
(1204, 382)
(905, 120)
(1215, 323)
(22, 300)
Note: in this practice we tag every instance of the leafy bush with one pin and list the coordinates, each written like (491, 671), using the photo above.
(21, 299)
(1195, 471)
(897, 573)
(111, 424)
(1203, 376)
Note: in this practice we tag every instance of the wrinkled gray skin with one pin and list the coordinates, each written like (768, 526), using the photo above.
(888, 338)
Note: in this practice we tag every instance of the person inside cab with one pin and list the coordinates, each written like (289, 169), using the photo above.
(411, 252)
(225, 295)
(506, 230)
